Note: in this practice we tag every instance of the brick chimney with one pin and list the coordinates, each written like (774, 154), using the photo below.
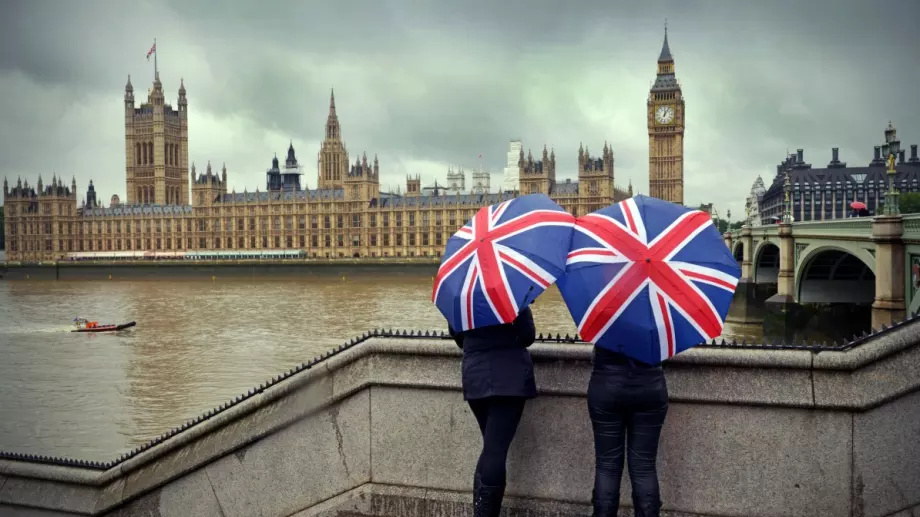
(913, 154)
(800, 156)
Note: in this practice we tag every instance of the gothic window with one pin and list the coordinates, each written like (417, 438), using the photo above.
(137, 153)
(150, 152)
(314, 241)
(140, 194)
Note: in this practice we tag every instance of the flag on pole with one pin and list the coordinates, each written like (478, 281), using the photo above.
(152, 50)
(480, 156)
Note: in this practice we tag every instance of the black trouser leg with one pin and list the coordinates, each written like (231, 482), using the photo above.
(609, 428)
(498, 419)
(643, 434)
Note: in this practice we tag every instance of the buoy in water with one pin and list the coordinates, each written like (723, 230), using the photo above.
(110, 277)
(27, 277)
(213, 278)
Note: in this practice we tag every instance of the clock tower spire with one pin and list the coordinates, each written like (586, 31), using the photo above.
(666, 131)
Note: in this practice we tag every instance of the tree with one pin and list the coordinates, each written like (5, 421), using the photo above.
(909, 202)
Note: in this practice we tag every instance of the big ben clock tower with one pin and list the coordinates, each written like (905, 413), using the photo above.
(666, 131)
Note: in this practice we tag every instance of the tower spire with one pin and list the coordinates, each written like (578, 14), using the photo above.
(665, 49)
(332, 122)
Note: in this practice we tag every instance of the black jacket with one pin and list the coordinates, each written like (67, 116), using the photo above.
(496, 361)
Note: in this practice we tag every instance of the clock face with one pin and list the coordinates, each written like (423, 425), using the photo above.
(664, 114)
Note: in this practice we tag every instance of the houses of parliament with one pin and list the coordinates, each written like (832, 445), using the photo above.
(172, 207)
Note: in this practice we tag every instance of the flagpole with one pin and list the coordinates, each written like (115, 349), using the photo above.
(156, 71)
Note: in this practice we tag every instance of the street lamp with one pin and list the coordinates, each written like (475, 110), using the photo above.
(891, 148)
(787, 205)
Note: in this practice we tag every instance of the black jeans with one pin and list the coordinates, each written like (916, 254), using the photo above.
(498, 419)
(628, 406)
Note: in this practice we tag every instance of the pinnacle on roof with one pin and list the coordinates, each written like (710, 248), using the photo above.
(665, 49)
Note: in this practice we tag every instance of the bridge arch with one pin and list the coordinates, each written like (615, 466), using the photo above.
(765, 263)
(738, 250)
(834, 274)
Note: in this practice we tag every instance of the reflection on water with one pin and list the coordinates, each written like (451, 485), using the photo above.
(197, 343)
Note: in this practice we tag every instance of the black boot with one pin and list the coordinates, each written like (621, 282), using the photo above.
(646, 508)
(487, 500)
(605, 508)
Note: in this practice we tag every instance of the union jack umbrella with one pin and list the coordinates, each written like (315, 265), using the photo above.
(501, 260)
(648, 278)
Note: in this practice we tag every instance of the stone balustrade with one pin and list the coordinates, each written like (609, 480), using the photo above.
(380, 429)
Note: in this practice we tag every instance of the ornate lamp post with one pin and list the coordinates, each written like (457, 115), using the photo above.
(787, 205)
(892, 147)
(728, 220)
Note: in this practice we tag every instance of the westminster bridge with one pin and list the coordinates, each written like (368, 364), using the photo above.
(858, 260)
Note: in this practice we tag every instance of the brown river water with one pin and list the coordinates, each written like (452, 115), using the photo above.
(198, 342)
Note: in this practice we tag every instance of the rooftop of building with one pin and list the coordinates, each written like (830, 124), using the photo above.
(837, 172)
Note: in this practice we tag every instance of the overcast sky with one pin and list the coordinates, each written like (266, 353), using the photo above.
(429, 84)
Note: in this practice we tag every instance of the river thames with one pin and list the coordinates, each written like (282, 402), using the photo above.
(198, 342)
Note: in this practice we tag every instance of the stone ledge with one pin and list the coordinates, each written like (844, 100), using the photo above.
(739, 392)
(382, 500)
(760, 377)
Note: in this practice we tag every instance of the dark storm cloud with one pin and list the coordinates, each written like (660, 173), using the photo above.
(428, 84)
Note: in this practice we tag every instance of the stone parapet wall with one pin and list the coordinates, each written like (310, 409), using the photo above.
(380, 429)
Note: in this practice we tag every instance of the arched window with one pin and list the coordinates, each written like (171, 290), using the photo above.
(140, 194)
(144, 153)
(150, 152)
(176, 152)
(137, 153)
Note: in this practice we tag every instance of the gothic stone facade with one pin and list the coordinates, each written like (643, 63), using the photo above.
(345, 216)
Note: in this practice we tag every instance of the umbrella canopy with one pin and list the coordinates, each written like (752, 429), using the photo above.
(501, 260)
(858, 205)
(648, 278)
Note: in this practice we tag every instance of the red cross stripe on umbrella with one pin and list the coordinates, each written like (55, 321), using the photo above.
(670, 283)
(488, 251)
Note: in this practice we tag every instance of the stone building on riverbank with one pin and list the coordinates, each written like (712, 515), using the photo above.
(170, 206)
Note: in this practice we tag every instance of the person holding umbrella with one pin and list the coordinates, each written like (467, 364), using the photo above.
(645, 280)
(491, 271)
